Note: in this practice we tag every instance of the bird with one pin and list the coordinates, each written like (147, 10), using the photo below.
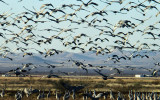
(50, 65)
(39, 95)
(66, 96)
(130, 95)
(154, 72)
(4, 2)
(119, 96)
(117, 70)
(58, 95)
(2, 35)
(89, 3)
(27, 92)
(27, 53)
(42, 95)
(103, 76)
(44, 5)
(111, 95)
(142, 21)
(18, 95)
(73, 95)
(2, 93)
(49, 93)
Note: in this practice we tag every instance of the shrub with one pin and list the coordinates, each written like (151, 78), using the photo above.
(120, 81)
(62, 84)
(156, 82)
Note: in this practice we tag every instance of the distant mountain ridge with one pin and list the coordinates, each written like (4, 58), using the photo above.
(88, 57)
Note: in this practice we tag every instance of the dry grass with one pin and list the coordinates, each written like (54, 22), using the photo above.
(12, 84)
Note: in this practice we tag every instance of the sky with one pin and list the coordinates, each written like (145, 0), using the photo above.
(16, 8)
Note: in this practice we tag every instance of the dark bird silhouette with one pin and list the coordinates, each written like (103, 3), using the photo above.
(117, 70)
(30, 54)
(4, 2)
(44, 5)
(141, 20)
(150, 33)
(89, 3)
(97, 13)
(116, 12)
(103, 76)
(50, 65)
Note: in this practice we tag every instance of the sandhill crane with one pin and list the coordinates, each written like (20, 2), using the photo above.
(57, 95)
(2, 93)
(42, 95)
(94, 93)
(143, 96)
(96, 97)
(92, 96)
(27, 92)
(119, 96)
(49, 93)
(155, 96)
(138, 96)
(39, 95)
(105, 96)
(111, 95)
(73, 95)
(130, 95)
(4, 2)
(135, 95)
(66, 96)
(147, 97)
(18, 95)
(85, 95)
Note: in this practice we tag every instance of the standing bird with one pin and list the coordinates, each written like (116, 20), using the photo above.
(66, 96)
(111, 95)
(58, 96)
(49, 93)
(2, 93)
(73, 95)
(39, 95)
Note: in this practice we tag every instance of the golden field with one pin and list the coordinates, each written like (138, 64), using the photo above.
(122, 84)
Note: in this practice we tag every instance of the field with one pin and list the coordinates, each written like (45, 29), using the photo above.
(122, 84)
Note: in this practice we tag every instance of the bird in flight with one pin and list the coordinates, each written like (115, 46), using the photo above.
(4, 2)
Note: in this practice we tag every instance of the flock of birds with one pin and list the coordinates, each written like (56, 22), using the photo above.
(82, 26)
(73, 94)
